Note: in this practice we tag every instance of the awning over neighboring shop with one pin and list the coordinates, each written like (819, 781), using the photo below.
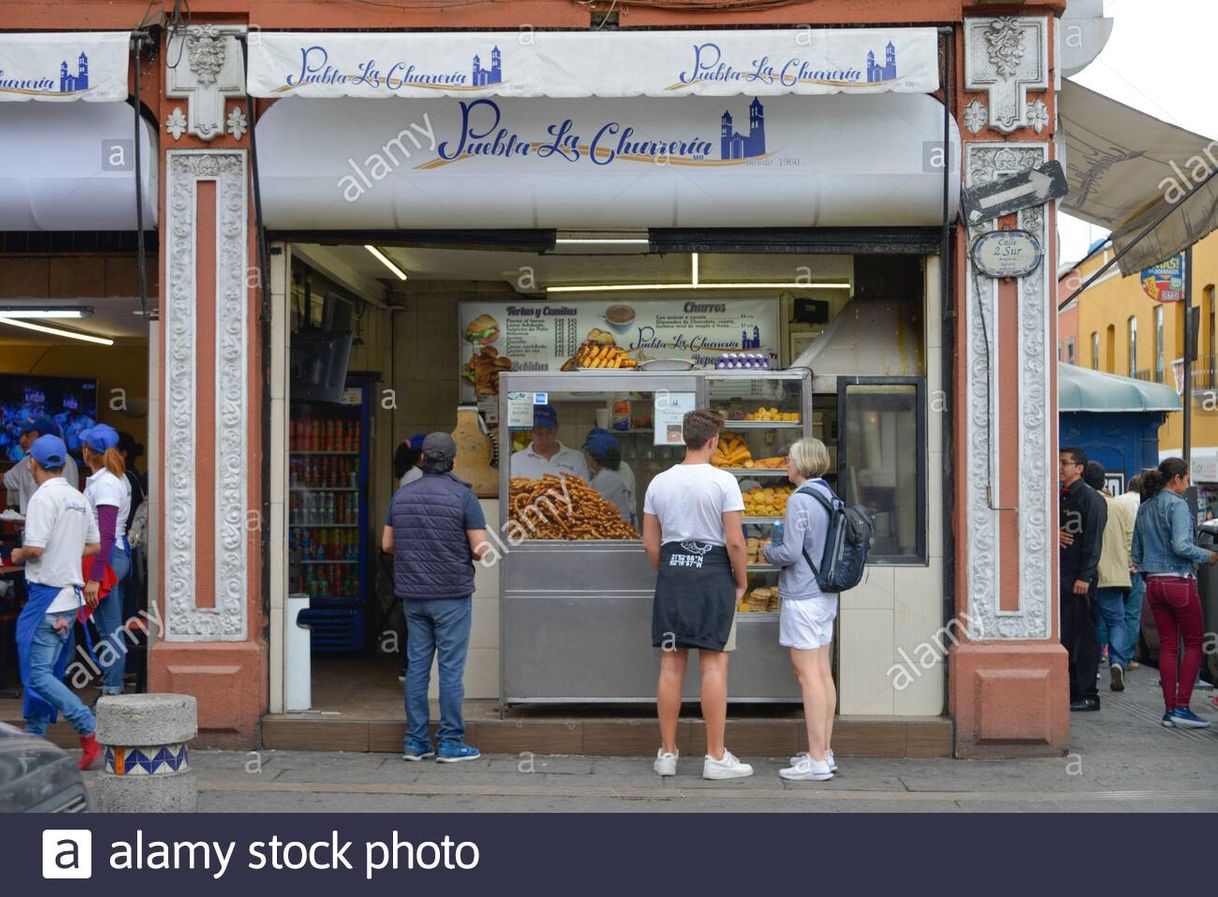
(72, 167)
(64, 66)
(829, 161)
(530, 63)
(1082, 389)
(1126, 169)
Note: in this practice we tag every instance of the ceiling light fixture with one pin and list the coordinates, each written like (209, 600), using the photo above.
(386, 261)
(602, 241)
(31, 313)
(55, 331)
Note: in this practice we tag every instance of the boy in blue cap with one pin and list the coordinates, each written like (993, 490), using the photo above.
(59, 530)
(19, 478)
(605, 461)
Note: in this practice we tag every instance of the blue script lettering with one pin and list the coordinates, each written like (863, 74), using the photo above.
(315, 69)
(472, 141)
(563, 142)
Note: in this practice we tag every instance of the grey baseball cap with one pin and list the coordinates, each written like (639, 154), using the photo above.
(439, 447)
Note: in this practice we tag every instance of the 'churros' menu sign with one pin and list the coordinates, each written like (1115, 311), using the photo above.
(545, 336)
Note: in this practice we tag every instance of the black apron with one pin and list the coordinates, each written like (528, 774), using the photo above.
(695, 600)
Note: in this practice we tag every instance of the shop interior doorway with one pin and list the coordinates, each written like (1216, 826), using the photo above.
(380, 351)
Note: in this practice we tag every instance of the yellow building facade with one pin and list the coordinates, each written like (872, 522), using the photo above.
(1116, 327)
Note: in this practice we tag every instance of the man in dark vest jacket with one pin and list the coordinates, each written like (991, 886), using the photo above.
(435, 531)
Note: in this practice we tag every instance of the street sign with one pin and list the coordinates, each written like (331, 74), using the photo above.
(1008, 195)
(1165, 282)
(1007, 253)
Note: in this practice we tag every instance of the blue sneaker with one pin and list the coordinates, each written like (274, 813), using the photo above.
(456, 751)
(417, 750)
(1167, 721)
(1185, 718)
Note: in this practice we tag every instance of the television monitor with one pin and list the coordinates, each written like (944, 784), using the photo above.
(70, 402)
(319, 365)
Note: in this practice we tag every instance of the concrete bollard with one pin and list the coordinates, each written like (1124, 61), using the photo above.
(147, 768)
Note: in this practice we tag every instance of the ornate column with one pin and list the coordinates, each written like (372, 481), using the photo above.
(212, 643)
(1009, 690)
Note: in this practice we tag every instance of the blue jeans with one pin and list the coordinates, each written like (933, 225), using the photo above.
(111, 648)
(44, 651)
(1133, 616)
(437, 626)
(1111, 606)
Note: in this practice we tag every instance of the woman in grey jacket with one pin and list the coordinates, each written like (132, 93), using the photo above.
(1165, 552)
(805, 622)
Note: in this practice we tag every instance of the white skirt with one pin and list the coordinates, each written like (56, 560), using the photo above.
(807, 623)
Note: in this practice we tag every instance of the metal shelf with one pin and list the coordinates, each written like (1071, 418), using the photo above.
(323, 525)
(329, 562)
(760, 521)
(760, 615)
(323, 489)
(763, 425)
(323, 452)
(757, 471)
(764, 568)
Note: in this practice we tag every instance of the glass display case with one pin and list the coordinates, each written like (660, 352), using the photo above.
(576, 585)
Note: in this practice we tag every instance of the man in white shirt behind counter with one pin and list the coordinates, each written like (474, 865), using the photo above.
(545, 454)
(19, 478)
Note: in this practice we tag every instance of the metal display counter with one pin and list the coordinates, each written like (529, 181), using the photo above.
(575, 615)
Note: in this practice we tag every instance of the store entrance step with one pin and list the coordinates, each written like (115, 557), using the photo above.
(595, 734)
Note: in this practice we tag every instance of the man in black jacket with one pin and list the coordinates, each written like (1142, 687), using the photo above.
(1083, 517)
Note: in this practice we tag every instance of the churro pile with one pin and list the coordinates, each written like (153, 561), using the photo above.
(562, 508)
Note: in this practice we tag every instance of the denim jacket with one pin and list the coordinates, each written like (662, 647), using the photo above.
(1164, 537)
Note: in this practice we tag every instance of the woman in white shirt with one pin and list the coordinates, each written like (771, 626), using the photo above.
(109, 494)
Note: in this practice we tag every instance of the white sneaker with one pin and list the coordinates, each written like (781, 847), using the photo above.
(828, 759)
(727, 768)
(807, 770)
(665, 764)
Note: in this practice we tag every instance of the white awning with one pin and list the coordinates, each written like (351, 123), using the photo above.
(591, 63)
(64, 66)
(72, 168)
(830, 161)
(1126, 169)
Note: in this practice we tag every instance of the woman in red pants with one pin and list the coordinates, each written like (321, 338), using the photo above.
(1166, 553)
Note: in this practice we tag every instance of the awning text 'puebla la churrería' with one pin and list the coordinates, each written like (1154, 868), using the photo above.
(581, 64)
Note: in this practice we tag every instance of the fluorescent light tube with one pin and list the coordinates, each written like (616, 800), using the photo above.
(760, 285)
(55, 331)
(386, 261)
(30, 313)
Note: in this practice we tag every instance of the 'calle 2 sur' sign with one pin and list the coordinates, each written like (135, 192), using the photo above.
(1007, 253)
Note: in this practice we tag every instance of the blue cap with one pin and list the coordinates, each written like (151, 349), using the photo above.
(545, 417)
(602, 445)
(40, 424)
(100, 437)
(49, 451)
(416, 441)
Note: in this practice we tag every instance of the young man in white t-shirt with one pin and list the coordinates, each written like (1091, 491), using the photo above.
(60, 530)
(694, 537)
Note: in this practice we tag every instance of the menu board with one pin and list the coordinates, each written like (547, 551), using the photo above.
(545, 335)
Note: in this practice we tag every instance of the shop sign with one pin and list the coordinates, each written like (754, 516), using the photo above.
(64, 66)
(582, 64)
(520, 410)
(1165, 282)
(1007, 253)
(1204, 468)
(544, 336)
(743, 161)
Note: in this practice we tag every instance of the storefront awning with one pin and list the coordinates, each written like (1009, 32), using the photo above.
(72, 168)
(829, 161)
(64, 66)
(529, 63)
(1082, 389)
(1126, 169)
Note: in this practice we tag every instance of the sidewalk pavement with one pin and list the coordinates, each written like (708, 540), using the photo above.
(1121, 760)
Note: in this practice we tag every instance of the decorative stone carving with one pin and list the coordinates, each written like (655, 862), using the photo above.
(203, 63)
(227, 620)
(238, 124)
(1032, 619)
(175, 124)
(975, 116)
(1005, 57)
(1038, 115)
